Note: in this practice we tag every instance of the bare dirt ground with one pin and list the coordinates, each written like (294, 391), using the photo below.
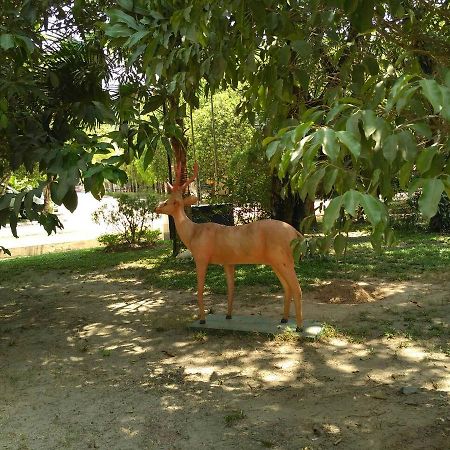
(97, 361)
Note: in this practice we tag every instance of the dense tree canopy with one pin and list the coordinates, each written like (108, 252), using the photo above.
(350, 98)
(51, 96)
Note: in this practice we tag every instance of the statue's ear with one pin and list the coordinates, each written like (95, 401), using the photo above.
(189, 201)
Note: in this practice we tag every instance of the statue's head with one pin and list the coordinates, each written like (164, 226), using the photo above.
(176, 199)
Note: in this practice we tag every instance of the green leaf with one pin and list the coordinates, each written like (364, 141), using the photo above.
(278, 88)
(296, 249)
(6, 41)
(332, 212)
(126, 4)
(284, 55)
(284, 164)
(352, 123)
(390, 147)
(313, 181)
(312, 114)
(268, 140)
(371, 65)
(70, 200)
(156, 14)
(272, 149)
(118, 30)
(26, 43)
(324, 243)
(374, 181)
(330, 179)
(120, 16)
(404, 174)
(433, 93)
(362, 17)
(445, 112)
(352, 200)
(404, 97)
(431, 195)
(350, 6)
(425, 159)
(3, 121)
(351, 141)
(329, 143)
(340, 241)
(389, 236)
(153, 104)
(135, 38)
(335, 111)
(187, 13)
(298, 152)
(376, 239)
(379, 94)
(370, 122)
(13, 224)
(28, 202)
(373, 208)
(5, 201)
(446, 181)
(149, 153)
(303, 48)
(250, 63)
(301, 130)
(310, 151)
(18, 202)
(54, 80)
(407, 145)
(358, 74)
(423, 129)
(416, 184)
(5, 250)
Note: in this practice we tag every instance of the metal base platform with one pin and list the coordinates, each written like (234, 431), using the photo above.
(256, 324)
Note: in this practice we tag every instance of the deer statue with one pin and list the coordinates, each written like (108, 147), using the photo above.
(262, 242)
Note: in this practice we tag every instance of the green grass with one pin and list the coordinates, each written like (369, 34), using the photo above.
(414, 254)
(234, 417)
(412, 324)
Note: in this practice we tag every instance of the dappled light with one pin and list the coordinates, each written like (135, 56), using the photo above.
(106, 350)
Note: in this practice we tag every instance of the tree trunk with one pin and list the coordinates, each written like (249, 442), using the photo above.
(290, 208)
(179, 149)
(48, 205)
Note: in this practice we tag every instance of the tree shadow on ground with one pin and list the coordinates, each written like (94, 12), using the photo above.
(97, 361)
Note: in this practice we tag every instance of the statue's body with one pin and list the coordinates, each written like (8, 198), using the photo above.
(262, 242)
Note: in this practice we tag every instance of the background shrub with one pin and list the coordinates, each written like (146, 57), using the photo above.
(131, 217)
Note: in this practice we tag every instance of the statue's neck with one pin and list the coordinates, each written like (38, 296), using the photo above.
(185, 226)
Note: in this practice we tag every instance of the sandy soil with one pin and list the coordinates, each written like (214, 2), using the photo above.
(103, 361)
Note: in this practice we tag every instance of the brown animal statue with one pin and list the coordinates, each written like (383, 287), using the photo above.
(262, 242)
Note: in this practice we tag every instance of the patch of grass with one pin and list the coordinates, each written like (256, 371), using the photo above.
(266, 444)
(200, 336)
(288, 335)
(414, 255)
(105, 352)
(85, 260)
(329, 332)
(417, 327)
(353, 334)
(234, 417)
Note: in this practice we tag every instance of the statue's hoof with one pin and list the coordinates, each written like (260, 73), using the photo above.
(228, 317)
(202, 322)
(299, 329)
(284, 321)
